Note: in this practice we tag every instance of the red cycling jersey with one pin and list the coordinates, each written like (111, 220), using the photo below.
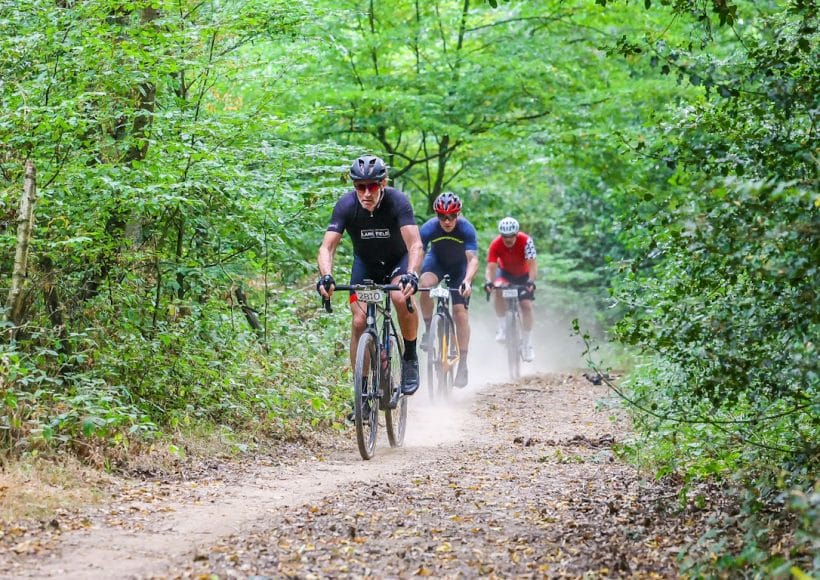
(512, 260)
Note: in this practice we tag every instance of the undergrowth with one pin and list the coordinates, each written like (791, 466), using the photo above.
(754, 475)
(206, 371)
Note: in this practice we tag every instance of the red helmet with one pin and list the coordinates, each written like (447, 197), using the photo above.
(447, 203)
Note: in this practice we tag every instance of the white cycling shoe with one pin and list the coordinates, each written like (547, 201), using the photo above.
(528, 353)
(500, 336)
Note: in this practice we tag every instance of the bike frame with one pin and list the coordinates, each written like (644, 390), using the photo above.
(386, 383)
(512, 327)
(443, 357)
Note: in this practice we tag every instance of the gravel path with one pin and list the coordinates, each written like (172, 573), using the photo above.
(515, 480)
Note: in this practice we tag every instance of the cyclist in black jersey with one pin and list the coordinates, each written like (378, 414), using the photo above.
(386, 249)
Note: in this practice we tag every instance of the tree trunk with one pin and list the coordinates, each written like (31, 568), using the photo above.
(250, 314)
(51, 297)
(127, 227)
(15, 306)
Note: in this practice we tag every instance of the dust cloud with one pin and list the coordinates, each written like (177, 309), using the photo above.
(557, 349)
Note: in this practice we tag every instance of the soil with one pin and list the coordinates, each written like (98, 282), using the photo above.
(508, 480)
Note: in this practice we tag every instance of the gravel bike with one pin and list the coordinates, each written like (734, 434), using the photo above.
(443, 353)
(512, 327)
(377, 370)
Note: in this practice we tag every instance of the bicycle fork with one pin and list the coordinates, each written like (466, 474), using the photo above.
(451, 348)
(386, 375)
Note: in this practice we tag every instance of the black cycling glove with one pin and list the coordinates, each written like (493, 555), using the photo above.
(411, 279)
(327, 281)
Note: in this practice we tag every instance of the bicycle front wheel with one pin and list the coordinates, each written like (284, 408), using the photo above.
(513, 332)
(395, 420)
(450, 358)
(437, 358)
(365, 394)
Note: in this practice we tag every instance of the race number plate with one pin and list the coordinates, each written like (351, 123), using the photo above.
(439, 292)
(370, 295)
(510, 293)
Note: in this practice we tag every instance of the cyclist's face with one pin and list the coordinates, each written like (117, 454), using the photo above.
(447, 222)
(509, 241)
(368, 193)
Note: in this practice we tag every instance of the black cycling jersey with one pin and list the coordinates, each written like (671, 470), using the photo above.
(376, 236)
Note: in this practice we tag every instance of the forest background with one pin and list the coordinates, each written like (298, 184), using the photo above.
(167, 170)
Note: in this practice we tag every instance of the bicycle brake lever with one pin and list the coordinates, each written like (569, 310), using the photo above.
(326, 304)
(410, 305)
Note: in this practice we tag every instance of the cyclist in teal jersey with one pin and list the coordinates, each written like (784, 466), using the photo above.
(451, 248)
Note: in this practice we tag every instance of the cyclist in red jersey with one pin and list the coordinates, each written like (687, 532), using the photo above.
(511, 260)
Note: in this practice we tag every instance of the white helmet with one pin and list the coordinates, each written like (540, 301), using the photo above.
(508, 226)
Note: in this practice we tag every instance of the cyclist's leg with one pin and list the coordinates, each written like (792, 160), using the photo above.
(460, 314)
(429, 278)
(408, 321)
(527, 316)
(527, 320)
(431, 274)
(462, 324)
(356, 329)
(462, 320)
(526, 329)
(409, 325)
(500, 306)
(358, 273)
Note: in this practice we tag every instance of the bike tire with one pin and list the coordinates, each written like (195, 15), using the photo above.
(395, 420)
(436, 358)
(513, 346)
(365, 395)
(450, 358)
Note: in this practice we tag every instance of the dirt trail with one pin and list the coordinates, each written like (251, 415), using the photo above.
(510, 480)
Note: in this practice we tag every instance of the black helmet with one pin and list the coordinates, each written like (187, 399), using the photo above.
(368, 167)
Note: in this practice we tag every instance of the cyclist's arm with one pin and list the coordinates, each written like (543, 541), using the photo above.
(472, 266)
(327, 251)
(532, 266)
(529, 258)
(491, 271)
(415, 251)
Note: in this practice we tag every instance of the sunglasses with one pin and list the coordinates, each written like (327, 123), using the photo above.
(510, 237)
(450, 217)
(371, 187)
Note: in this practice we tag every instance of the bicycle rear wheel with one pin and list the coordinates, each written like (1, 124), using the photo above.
(513, 332)
(365, 395)
(395, 420)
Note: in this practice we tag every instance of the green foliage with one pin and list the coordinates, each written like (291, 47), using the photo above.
(205, 367)
(720, 291)
(164, 182)
(732, 299)
(666, 151)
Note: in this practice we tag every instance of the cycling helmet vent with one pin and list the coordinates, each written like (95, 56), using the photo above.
(447, 203)
(368, 167)
(508, 226)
